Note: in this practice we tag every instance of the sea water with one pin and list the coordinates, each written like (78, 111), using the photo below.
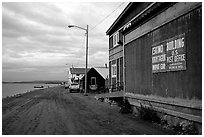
(10, 89)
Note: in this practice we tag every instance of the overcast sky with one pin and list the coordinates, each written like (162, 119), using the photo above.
(37, 44)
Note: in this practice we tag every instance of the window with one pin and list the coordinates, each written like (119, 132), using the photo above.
(114, 70)
(117, 73)
(115, 39)
(93, 80)
(111, 42)
(121, 69)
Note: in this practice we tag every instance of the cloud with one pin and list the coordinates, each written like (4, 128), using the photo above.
(36, 40)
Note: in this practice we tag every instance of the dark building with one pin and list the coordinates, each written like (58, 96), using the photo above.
(161, 47)
(96, 79)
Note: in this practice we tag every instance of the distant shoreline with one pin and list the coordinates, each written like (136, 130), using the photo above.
(23, 93)
(33, 82)
(13, 88)
(20, 94)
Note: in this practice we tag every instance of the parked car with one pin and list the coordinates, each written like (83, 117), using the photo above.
(66, 86)
(74, 87)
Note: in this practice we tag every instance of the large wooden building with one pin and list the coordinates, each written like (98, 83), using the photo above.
(160, 51)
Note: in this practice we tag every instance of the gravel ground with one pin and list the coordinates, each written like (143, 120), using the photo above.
(55, 111)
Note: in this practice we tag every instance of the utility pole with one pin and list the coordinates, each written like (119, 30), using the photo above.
(85, 93)
(70, 26)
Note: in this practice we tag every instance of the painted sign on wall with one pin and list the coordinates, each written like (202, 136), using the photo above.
(169, 55)
(176, 54)
(158, 58)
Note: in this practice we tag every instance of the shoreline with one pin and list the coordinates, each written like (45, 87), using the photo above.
(15, 89)
(19, 94)
(26, 92)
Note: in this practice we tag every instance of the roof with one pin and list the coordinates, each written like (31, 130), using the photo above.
(78, 70)
(103, 71)
(141, 13)
(119, 17)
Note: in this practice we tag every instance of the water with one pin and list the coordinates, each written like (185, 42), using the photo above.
(10, 89)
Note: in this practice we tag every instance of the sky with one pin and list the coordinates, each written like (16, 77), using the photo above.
(38, 45)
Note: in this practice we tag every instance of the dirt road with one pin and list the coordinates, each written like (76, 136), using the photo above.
(54, 111)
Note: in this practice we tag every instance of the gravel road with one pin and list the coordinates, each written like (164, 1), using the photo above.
(54, 111)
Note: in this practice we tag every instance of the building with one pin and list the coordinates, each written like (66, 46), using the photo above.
(161, 47)
(75, 74)
(115, 59)
(96, 79)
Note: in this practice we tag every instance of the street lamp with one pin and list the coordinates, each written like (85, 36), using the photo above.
(86, 29)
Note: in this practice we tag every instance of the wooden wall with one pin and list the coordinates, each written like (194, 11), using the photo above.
(186, 84)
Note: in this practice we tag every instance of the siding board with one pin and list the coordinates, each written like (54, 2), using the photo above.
(185, 84)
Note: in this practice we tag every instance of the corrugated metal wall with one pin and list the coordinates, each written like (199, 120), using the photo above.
(183, 84)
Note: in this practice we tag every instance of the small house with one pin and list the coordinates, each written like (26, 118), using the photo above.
(96, 79)
(75, 74)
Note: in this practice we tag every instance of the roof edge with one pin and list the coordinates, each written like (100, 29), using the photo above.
(119, 17)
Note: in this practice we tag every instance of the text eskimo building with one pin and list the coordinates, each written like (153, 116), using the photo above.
(162, 55)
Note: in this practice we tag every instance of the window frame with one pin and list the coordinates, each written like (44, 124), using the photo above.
(114, 70)
(116, 39)
(94, 80)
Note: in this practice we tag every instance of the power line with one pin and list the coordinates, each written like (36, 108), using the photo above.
(107, 16)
